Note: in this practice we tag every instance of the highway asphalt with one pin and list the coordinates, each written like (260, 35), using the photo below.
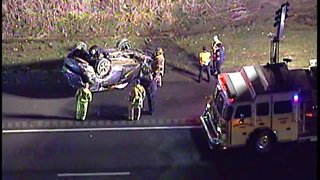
(177, 102)
(146, 154)
(167, 145)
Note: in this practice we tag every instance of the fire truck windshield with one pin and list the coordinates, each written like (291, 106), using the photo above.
(223, 108)
(219, 100)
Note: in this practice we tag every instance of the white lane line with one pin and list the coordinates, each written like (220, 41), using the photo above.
(99, 129)
(94, 174)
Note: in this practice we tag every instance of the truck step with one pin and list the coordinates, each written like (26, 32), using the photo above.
(308, 138)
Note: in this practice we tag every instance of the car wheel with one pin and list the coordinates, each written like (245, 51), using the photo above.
(124, 44)
(103, 67)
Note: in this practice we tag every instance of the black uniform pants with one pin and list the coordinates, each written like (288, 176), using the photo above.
(150, 98)
(207, 69)
(218, 66)
(150, 87)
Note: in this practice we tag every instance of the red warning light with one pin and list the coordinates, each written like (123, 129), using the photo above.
(222, 82)
(231, 100)
(309, 115)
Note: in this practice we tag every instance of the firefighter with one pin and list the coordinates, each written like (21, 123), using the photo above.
(83, 96)
(204, 63)
(215, 42)
(158, 67)
(159, 57)
(80, 53)
(136, 98)
(150, 85)
(158, 79)
(218, 55)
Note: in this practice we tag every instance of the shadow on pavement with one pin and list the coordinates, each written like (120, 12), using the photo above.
(36, 80)
(40, 91)
(107, 112)
(175, 54)
(182, 71)
(285, 161)
(36, 116)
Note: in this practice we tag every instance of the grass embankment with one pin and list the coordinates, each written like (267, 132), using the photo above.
(37, 40)
(241, 47)
(244, 48)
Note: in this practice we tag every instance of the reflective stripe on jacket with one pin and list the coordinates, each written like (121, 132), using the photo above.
(137, 95)
(160, 60)
(84, 95)
(138, 91)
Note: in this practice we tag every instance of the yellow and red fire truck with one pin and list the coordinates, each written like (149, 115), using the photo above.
(261, 105)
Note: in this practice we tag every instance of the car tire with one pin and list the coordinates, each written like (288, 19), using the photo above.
(103, 67)
(124, 44)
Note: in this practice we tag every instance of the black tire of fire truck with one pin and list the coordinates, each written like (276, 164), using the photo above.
(262, 141)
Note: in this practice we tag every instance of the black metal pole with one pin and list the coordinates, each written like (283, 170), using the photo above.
(271, 51)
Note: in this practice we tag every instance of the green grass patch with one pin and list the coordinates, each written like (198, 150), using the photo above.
(243, 47)
(247, 47)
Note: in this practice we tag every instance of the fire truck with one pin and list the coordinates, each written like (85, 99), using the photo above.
(261, 105)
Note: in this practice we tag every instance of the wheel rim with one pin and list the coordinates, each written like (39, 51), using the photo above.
(103, 67)
(263, 142)
(124, 45)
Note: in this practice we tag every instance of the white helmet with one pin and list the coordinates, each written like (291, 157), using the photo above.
(81, 45)
(216, 39)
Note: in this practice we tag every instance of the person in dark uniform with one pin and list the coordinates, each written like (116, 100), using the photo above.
(149, 84)
(218, 55)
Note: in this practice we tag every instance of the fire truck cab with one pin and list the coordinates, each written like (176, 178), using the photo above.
(261, 105)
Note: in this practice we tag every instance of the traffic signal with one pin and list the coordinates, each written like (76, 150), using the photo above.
(287, 9)
(284, 9)
(277, 18)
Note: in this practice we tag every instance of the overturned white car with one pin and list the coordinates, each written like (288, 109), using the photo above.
(117, 68)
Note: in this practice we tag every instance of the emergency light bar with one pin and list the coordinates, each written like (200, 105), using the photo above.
(224, 87)
(222, 82)
(310, 115)
(295, 98)
(231, 100)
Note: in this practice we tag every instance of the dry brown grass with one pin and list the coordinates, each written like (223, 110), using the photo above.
(243, 25)
(42, 18)
(46, 18)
